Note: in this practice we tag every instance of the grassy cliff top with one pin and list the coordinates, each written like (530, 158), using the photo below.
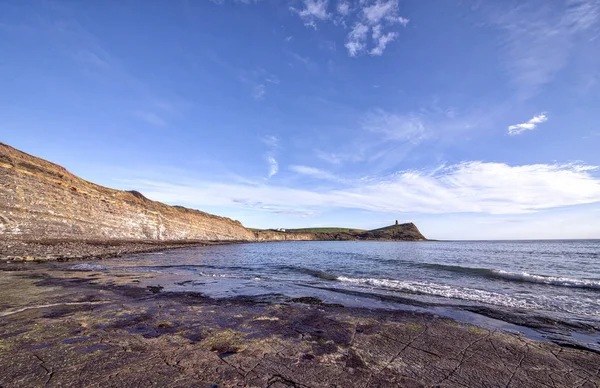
(401, 232)
(326, 230)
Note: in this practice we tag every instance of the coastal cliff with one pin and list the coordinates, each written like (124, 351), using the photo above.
(398, 232)
(274, 235)
(40, 200)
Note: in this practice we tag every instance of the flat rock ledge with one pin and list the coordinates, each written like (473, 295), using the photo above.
(66, 328)
(16, 250)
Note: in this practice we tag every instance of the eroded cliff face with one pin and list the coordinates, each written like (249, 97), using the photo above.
(272, 235)
(42, 200)
(39, 199)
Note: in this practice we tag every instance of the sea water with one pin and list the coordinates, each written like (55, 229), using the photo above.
(560, 278)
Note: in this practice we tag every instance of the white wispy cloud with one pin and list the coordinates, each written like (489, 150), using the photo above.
(305, 61)
(220, 2)
(540, 38)
(273, 166)
(343, 8)
(357, 39)
(330, 157)
(382, 42)
(531, 124)
(258, 92)
(377, 16)
(94, 59)
(285, 210)
(314, 172)
(383, 11)
(272, 80)
(271, 141)
(381, 139)
(470, 187)
(395, 127)
(312, 11)
(258, 79)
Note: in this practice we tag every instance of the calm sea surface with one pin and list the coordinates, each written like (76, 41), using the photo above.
(560, 278)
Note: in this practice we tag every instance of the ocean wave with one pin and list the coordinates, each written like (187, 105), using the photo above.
(217, 275)
(458, 268)
(551, 280)
(87, 267)
(179, 269)
(434, 289)
(558, 281)
(229, 276)
(309, 271)
(143, 270)
(195, 267)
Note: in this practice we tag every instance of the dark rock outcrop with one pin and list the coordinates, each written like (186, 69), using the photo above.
(62, 330)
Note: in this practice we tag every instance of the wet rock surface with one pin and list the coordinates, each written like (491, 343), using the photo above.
(16, 250)
(67, 328)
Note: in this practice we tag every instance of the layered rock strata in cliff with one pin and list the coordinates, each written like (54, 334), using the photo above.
(39, 199)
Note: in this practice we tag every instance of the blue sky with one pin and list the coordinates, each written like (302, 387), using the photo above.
(473, 119)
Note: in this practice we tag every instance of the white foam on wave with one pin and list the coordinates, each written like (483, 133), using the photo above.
(445, 291)
(87, 267)
(145, 270)
(221, 275)
(552, 280)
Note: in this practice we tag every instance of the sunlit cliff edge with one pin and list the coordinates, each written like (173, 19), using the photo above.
(42, 200)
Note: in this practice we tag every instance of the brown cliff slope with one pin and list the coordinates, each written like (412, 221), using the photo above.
(274, 235)
(39, 199)
(399, 232)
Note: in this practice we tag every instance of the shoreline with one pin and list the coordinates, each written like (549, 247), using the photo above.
(73, 328)
(534, 325)
(17, 249)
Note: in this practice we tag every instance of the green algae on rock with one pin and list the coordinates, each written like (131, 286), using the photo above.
(60, 335)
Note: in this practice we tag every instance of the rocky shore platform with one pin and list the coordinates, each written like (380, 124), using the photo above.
(14, 249)
(71, 328)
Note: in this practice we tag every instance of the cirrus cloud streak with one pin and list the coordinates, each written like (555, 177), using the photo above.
(470, 187)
